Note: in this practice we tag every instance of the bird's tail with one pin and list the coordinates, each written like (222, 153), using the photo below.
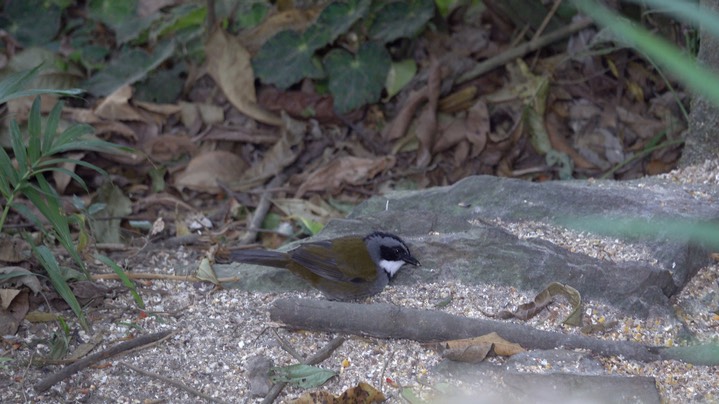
(261, 257)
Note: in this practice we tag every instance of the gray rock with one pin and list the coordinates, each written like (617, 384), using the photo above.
(465, 247)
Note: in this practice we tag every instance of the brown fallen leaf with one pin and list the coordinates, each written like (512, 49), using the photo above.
(228, 62)
(545, 298)
(205, 169)
(345, 170)
(474, 350)
(363, 393)
(116, 106)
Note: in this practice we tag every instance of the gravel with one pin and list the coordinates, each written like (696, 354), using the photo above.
(218, 332)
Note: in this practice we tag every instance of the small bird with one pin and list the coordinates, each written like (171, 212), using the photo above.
(344, 268)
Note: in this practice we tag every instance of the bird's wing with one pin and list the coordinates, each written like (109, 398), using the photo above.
(321, 259)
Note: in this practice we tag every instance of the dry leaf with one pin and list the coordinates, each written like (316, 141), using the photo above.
(228, 62)
(116, 107)
(345, 170)
(363, 393)
(13, 249)
(205, 169)
(474, 350)
(545, 298)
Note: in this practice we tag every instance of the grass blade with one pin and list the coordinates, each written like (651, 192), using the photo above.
(53, 120)
(48, 261)
(18, 148)
(34, 129)
(123, 277)
(7, 171)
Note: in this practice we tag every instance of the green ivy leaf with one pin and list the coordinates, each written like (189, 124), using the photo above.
(338, 17)
(289, 56)
(112, 13)
(401, 19)
(304, 376)
(131, 66)
(31, 22)
(356, 81)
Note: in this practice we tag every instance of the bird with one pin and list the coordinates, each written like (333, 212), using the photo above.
(344, 268)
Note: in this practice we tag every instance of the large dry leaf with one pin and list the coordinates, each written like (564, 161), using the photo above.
(203, 171)
(228, 62)
(12, 315)
(345, 170)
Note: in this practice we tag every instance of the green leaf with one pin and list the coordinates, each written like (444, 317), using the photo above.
(123, 277)
(16, 82)
(112, 13)
(18, 149)
(85, 164)
(399, 75)
(304, 376)
(356, 81)
(53, 120)
(401, 19)
(129, 67)
(34, 129)
(67, 172)
(288, 57)
(47, 260)
(31, 22)
(338, 17)
(7, 171)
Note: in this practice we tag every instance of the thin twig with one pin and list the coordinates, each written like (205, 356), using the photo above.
(511, 54)
(169, 381)
(70, 370)
(261, 211)
(284, 344)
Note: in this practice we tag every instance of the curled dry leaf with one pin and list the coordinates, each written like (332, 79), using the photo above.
(204, 170)
(20, 276)
(362, 393)
(345, 170)
(545, 298)
(228, 62)
(115, 107)
(474, 350)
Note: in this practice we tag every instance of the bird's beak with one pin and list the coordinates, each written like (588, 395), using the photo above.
(412, 260)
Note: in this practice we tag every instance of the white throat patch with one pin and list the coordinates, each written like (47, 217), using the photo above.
(391, 267)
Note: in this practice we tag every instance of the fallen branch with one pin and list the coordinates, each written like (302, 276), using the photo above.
(389, 321)
(70, 370)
